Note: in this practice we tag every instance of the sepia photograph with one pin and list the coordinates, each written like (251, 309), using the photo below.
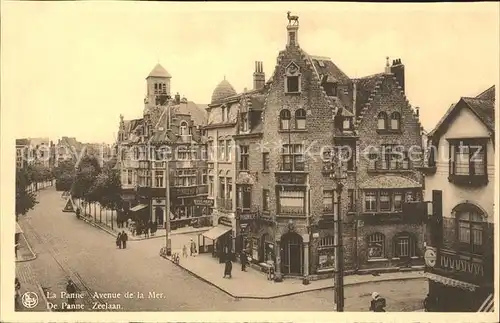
(258, 159)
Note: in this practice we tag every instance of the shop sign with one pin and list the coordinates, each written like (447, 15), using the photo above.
(225, 221)
(203, 202)
(184, 191)
(299, 179)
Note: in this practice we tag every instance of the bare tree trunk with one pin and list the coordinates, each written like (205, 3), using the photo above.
(100, 213)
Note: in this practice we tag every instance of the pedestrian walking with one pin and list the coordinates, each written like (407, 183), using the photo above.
(192, 247)
(243, 259)
(124, 239)
(377, 303)
(71, 291)
(228, 267)
(119, 240)
(184, 251)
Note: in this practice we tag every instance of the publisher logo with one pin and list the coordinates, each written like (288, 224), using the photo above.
(29, 299)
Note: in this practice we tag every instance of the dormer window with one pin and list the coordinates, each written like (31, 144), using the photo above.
(285, 119)
(347, 123)
(184, 128)
(244, 121)
(292, 79)
(382, 121)
(300, 119)
(395, 121)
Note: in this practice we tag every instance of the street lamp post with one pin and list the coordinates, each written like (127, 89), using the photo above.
(167, 208)
(339, 254)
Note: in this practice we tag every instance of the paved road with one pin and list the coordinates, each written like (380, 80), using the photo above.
(67, 247)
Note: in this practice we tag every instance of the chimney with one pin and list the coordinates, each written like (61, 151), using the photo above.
(398, 69)
(387, 67)
(177, 98)
(354, 90)
(259, 78)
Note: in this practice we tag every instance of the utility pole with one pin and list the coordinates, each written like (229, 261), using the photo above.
(167, 189)
(339, 255)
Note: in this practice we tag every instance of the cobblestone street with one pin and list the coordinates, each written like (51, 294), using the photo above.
(69, 248)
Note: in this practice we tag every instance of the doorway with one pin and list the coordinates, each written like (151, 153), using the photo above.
(291, 254)
(159, 215)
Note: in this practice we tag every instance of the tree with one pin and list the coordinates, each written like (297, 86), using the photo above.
(25, 200)
(86, 174)
(64, 174)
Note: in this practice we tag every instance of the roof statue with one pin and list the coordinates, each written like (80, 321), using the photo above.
(292, 20)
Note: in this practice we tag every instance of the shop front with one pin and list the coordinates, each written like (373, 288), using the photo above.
(457, 282)
(221, 240)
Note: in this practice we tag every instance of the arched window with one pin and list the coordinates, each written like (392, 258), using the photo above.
(470, 223)
(404, 245)
(300, 119)
(395, 120)
(382, 121)
(184, 128)
(376, 246)
(285, 119)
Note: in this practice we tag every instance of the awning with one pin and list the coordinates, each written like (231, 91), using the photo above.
(138, 207)
(216, 232)
(487, 305)
(451, 282)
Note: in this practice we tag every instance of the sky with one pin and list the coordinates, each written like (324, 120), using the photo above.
(71, 68)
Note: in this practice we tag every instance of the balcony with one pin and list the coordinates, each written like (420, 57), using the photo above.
(466, 174)
(225, 204)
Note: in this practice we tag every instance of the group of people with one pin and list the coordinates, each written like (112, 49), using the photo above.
(121, 240)
(145, 228)
(228, 264)
(192, 249)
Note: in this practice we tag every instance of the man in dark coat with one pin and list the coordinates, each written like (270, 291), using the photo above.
(243, 259)
(124, 239)
(228, 267)
(119, 240)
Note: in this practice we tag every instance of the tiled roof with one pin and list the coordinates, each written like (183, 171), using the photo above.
(159, 71)
(223, 90)
(197, 112)
(325, 66)
(483, 106)
(364, 88)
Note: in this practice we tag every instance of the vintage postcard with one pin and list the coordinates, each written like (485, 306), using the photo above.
(289, 162)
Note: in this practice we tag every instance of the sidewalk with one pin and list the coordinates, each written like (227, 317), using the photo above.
(28, 281)
(253, 284)
(24, 250)
(107, 217)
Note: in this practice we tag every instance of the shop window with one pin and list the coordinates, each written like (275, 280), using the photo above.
(291, 201)
(376, 246)
(300, 119)
(382, 121)
(404, 246)
(326, 253)
(285, 117)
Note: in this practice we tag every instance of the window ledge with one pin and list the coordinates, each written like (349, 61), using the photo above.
(293, 131)
(378, 260)
(293, 93)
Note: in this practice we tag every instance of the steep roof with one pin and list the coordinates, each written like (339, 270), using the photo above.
(197, 112)
(325, 66)
(223, 90)
(483, 106)
(159, 71)
(364, 88)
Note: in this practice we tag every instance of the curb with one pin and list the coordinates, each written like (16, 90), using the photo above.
(44, 297)
(29, 247)
(287, 294)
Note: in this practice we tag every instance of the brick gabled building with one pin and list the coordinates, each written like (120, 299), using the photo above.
(390, 231)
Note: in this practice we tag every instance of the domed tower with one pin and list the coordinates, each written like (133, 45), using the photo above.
(158, 86)
(222, 91)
